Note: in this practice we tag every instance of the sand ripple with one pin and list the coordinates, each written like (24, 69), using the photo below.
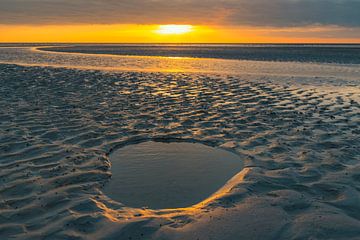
(300, 145)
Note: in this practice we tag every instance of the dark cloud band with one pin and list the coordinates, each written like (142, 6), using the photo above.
(276, 13)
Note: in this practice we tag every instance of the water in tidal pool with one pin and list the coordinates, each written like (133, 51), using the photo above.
(169, 175)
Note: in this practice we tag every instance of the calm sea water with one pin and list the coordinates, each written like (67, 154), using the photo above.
(343, 54)
(340, 62)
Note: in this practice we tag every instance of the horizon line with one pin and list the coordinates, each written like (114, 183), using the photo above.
(235, 43)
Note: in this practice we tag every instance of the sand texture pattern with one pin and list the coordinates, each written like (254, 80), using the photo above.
(300, 146)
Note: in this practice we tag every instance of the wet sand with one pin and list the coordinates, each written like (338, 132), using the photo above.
(299, 139)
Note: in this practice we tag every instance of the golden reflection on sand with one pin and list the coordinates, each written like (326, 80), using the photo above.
(128, 214)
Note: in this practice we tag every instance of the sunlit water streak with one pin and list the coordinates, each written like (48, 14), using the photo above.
(31, 56)
(342, 54)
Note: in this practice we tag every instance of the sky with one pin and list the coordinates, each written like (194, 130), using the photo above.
(211, 20)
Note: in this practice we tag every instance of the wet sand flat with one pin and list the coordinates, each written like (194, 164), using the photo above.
(298, 137)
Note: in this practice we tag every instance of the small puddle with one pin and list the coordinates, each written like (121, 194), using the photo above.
(169, 175)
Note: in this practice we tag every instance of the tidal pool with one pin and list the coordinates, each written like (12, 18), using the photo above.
(162, 175)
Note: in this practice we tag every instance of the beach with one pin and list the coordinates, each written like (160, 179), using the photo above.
(294, 124)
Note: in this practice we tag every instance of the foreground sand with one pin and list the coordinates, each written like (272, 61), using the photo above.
(300, 145)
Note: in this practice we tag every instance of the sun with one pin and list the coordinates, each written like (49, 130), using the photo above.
(174, 29)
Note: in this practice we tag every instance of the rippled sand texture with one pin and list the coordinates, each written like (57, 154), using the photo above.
(300, 146)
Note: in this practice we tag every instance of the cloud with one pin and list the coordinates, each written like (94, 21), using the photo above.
(273, 13)
(285, 13)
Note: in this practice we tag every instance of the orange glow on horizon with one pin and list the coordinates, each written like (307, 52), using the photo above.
(130, 33)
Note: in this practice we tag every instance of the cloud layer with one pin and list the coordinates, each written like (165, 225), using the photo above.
(274, 13)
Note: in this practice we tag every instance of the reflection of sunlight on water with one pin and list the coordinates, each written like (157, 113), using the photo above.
(32, 57)
(182, 58)
(122, 62)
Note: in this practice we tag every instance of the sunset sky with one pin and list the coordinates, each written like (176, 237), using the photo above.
(223, 21)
